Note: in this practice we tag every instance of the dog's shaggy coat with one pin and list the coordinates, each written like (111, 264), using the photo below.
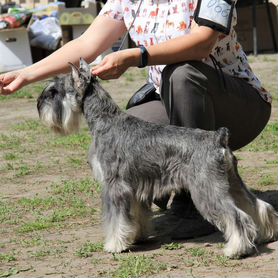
(138, 161)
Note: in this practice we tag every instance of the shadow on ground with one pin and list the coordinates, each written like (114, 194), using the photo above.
(170, 228)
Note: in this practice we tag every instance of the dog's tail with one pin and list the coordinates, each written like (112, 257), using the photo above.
(223, 136)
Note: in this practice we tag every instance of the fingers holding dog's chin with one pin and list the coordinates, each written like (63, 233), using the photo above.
(106, 75)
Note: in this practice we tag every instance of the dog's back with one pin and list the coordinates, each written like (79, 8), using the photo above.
(140, 151)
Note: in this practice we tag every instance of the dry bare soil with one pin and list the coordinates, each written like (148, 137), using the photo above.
(50, 206)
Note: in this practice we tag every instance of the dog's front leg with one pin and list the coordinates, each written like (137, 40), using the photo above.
(120, 226)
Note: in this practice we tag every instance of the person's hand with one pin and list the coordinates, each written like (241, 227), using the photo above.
(10, 82)
(115, 64)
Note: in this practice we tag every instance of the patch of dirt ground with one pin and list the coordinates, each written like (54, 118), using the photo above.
(31, 168)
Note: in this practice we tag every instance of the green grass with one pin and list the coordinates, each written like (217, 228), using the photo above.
(60, 214)
(81, 140)
(37, 202)
(69, 200)
(222, 260)
(23, 170)
(76, 162)
(137, 266)
(33, 241)
(266, 141)
(88, 249)
(10, 166)
(269, 59)
(128, 76)
(13, 271)
(37, 225)
(196, 251)
(28, 92)
(220, 245)
(198, 256)
(23, 93)
(273, 90)
(274, 162)
(7, 257)
(6, 211)
(195, 257)
(41, 253)
(46, 252)
(11, 141)
(80, 210)
(20, 168)
(66, 193)
(75, 208)
(11, 156)
(29, 125)
(172, 246)
(86, 186)
(266, 180)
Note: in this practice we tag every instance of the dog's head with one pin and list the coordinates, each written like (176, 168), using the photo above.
(60, 103)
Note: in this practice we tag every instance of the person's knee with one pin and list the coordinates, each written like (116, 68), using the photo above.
(182, 71)
(186, 96)
(184, 78)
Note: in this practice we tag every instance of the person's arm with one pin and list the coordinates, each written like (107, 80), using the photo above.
(196, 45)
(101, 35)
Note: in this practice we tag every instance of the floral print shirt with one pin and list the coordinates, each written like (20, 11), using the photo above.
(160, 20)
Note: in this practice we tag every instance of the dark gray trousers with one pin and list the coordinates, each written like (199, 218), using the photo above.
(198, 96)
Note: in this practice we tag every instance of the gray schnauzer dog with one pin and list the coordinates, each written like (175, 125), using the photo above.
(137, 161)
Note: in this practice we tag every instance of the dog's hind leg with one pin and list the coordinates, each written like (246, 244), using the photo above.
(263, 214)
(142, 216)
(213, 200)
(119, 214)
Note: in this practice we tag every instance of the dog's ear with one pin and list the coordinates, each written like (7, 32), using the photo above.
(80, 82)
(74, 72)
(84, 69)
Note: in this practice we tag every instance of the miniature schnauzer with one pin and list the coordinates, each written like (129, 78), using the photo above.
(137, 161)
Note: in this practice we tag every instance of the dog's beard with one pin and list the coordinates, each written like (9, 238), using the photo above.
(61, 118)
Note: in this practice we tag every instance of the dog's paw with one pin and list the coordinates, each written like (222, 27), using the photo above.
(115, 246)
(238, 251)
(267, 224)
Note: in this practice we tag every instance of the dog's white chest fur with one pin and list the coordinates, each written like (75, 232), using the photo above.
(96, 168)
(95, 164)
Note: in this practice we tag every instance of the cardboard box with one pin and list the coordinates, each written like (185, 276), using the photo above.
(244, 27)
(15, 50)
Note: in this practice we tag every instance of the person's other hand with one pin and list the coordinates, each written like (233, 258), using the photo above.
(10, 82)
(115, 64)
